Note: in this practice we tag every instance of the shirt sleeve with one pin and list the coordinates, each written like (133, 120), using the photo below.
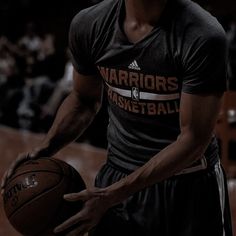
(205, 65)
(80, 46)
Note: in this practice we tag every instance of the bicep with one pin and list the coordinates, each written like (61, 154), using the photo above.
(198, 115)
(88, 87)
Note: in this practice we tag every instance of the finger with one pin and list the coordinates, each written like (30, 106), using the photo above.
(16, 163)
(34, 155)
(3, 183)
(4, 177)
(81, 196)
(11, 169)
(20, 159)
(13, 166)
(69, 223)
(7, 175)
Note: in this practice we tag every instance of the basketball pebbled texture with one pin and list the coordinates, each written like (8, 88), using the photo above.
(33, 198)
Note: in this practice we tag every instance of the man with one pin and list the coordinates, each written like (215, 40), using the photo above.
(162, 63)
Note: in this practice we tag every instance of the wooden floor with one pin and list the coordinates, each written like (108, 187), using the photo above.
(86, 159)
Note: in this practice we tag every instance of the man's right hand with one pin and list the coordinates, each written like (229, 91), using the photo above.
(23, 157)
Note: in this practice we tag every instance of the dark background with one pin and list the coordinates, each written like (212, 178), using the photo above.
(55, 16)
(49, 16)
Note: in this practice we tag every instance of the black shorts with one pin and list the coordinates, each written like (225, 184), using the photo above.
(193, 204)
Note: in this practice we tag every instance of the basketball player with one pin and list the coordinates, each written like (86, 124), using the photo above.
(163, 66)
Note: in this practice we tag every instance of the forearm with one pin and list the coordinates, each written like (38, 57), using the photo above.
(165, 164)
(73, 117)
(198, 115)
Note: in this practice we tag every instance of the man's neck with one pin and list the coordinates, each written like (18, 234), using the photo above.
(144, 11)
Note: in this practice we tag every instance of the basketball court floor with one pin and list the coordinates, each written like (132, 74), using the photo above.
(86, 159)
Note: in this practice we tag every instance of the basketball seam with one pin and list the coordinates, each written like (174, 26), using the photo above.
(56, 211)
(36, 197)
(72, 176)
(47, 189)
(60, 205)
(30, 171)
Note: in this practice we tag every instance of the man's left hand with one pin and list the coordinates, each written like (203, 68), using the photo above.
(95, 205)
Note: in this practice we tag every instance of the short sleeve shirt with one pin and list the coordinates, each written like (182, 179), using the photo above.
(185, 52)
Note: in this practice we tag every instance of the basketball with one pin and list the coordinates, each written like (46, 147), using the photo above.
(33, 198)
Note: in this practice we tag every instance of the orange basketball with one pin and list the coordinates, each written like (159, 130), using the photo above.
(33, 198)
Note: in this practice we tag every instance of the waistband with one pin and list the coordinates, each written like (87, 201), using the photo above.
(202, 164)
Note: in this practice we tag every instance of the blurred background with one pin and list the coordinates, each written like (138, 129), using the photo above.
(35, 71)
(35, 76)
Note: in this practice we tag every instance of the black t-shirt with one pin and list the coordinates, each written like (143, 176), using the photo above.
(185, 52)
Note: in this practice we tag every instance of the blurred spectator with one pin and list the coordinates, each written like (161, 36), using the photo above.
(61, 90)
(40, 79)
(31, 41)
(11, 84)
(47, 47)
(7, 61)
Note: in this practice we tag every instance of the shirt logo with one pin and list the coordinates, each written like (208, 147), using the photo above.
(134, 66)
(135, 94)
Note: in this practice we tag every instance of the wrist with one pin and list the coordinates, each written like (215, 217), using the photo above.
(117, 193)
